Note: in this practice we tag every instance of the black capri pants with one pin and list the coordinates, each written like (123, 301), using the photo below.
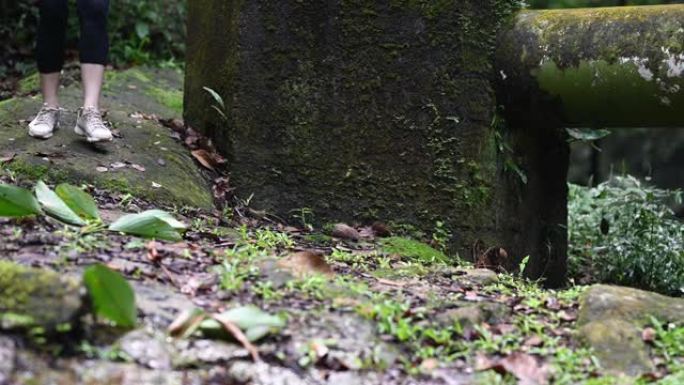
(52, 28)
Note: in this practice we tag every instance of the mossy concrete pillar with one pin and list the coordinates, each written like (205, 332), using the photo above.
(600, 67)
(356, 110)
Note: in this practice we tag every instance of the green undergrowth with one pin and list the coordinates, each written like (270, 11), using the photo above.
(424, 328)
(623, 232)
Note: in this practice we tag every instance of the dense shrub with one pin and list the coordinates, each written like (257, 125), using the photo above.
(594, 3)
(623, 232)
(141, 32)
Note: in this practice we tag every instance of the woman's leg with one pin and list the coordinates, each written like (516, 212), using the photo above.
(50, 47)
(94, 47)
(50, 58)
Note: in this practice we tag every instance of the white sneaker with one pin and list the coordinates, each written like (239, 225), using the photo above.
(90, 124)
(45, 123)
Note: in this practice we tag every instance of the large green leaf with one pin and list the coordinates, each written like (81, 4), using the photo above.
(587, 134)
(55, 206)
(254, 322)
(111, 295)
(78, 201)
(17, 202)
(150, 224)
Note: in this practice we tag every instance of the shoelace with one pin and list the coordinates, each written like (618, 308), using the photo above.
(94, 119)
(44, 114)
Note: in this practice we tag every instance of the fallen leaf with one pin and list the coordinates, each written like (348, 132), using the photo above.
(177, 125)
(117, 165)
(495, 258)
(156, 185)
(7, 158)
(187, 323)
(222, 189)
(521, 365)
(101, 169)
(390, 283)
(319, 349)
(428, 365)
(534, 341)
(553, 304)
(138, 167)
(567, 317)
(203, 158)
(152, 253)
(526, 368)
(381, 230)
(208, 158)
(648, 335)
(305, 263)
(344, 231)
(239, 336)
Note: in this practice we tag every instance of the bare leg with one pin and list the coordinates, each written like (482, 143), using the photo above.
(92, 76)
(49, 86)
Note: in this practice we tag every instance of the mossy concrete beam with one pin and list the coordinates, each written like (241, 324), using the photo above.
(597, 67)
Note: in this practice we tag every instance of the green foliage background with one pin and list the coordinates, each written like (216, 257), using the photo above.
(141, 32)
(594, 3)
(623, 232)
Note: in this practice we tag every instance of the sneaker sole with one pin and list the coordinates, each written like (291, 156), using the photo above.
(90, 139)
(48, 136)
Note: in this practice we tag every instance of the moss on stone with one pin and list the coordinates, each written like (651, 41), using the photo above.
(172, 99)
(412, 250)
(30, 83)
(33, 298)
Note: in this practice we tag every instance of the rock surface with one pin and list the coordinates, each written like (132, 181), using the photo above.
(170, 174)
(33, 298)
(602, 302)
(611, 319)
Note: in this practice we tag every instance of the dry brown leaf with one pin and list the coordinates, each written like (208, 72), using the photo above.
(367, 232)
(428, 365)
(381, 230)
(138, 167)
(152, 253)
(390, 282)
(495, 258)
(204, 158)
(7, 157)
(186, 323)
(567, 317)
(534, 341)
(521, 365)
(306, 263)
(648, 335)
(239, 336)
(526, 368)
(344, 231)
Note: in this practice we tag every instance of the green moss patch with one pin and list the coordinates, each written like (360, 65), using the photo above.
(34, 298)
(413, 250)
